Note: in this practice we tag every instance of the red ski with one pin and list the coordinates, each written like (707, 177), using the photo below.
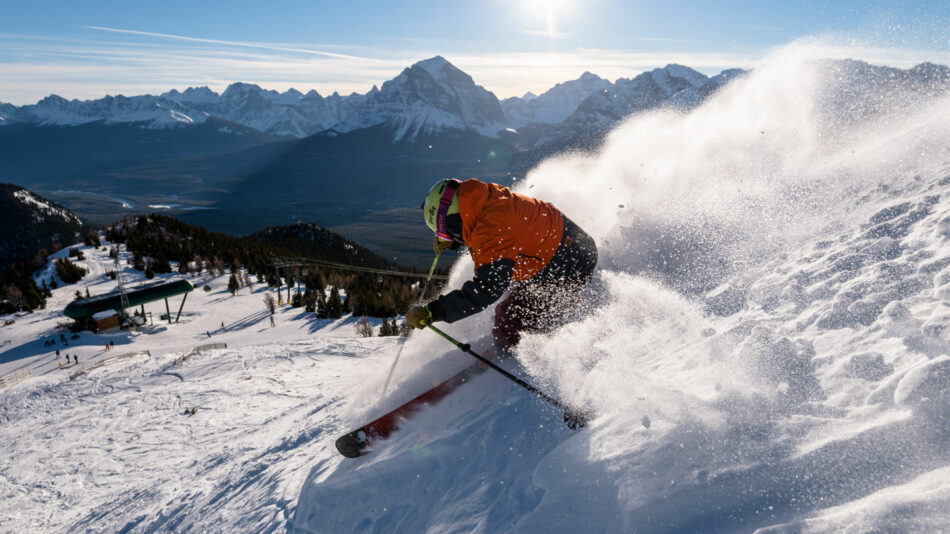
(356, 443)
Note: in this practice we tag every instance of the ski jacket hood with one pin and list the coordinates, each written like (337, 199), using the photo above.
(499, 224)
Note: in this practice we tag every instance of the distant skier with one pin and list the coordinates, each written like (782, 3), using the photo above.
(515, 241)
(76, 357)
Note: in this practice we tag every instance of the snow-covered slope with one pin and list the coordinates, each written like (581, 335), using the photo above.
(156, 112)
(766, 343)
(106, 446)
(290, 113)
(29, 223)
(603, 109)
(45, 208)
(430, 96)
(554, 105)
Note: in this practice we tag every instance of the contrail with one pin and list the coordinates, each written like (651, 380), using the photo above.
(242, 44)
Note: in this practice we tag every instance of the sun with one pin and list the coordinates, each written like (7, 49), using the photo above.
(546, 16)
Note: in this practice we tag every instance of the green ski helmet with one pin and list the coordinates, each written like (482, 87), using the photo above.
(442, 201)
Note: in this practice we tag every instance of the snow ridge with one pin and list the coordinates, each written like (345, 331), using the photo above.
(428, 97)
(45, 207)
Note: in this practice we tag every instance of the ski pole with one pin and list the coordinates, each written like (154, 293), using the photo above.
(421, 296)
(573, 418)
(426, 284)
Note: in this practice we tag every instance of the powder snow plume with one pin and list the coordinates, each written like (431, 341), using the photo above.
(765, 344)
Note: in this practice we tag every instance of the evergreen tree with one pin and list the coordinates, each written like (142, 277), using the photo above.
(33, 298)
(68, 271)
(233, 285)
(162, 266)
(137, 262)
(149, 270)
(334, 306)
(314, 280)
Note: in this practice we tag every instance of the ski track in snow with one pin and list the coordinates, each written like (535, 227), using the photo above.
(114, 450)
(765, 347)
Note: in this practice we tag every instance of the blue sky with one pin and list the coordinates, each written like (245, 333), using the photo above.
(89, 49)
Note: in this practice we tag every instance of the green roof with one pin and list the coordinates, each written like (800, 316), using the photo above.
(85, 308)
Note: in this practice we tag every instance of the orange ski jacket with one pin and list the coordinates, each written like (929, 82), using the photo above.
(499, 224)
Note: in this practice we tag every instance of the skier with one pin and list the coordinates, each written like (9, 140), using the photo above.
(515, 241)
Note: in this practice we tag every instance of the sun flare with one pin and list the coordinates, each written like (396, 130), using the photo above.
(545, 16)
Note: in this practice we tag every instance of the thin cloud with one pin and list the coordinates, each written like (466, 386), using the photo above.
(671, 40)
(549, 34)
(244, 44)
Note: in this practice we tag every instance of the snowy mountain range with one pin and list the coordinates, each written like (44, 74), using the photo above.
(430, 96)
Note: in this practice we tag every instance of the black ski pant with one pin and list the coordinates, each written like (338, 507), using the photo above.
(544, 302)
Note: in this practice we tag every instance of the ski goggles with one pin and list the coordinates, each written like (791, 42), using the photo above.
(441, 217)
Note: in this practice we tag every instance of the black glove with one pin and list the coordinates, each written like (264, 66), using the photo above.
(418, 317)
(439, 245)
